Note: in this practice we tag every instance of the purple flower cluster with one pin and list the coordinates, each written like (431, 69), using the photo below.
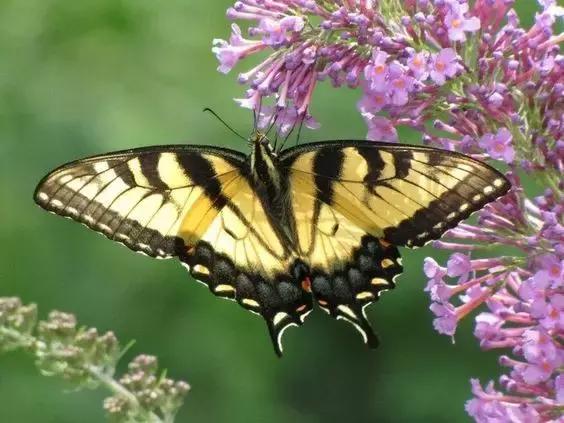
(523, 294)
(469, 78)
(352, 43)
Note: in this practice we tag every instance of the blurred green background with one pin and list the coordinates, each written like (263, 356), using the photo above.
(80, 78)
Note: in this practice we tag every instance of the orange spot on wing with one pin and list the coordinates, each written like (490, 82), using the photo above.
(306, 284)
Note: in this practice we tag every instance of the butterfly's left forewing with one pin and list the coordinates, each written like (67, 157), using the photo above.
(138, 197)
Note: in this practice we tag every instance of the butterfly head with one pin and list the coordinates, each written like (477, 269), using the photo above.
(264, 160)
(260, 139)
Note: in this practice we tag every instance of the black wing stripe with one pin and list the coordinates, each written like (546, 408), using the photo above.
(328, 163)
(149, 167)
(201, 172)
(402, 163)
(375, 165)
(124, 173)
(98, 205)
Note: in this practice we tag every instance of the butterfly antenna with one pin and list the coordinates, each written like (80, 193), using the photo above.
(288, 135)
(275, 140)
(272, 122)
(300, 130)
(207, 109)
(255, 119)
(256, 115)
(301, 120)
(278, 133)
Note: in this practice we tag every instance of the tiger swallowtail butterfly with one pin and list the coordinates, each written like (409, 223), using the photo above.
(278, 231)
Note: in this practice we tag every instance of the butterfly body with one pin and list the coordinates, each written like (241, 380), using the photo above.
(278, 231)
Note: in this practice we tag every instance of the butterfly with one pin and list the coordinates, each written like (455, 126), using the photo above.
(278, 231)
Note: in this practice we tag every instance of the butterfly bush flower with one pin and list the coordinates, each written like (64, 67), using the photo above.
(469, 78)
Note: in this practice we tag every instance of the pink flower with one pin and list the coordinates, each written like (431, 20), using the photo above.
(499, 145)
(553, 267)
(399, 84)
(376, 71)
(274, 31)
(372, 102)
(458, 24)
(417, 63)
(443, 65)
(459, 265)
(446, 319)
(432, 269)
(229, 53)
(381, 129)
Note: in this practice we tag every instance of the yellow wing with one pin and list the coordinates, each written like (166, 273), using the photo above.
(354, 202)
(139, 197)
(194, 203)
